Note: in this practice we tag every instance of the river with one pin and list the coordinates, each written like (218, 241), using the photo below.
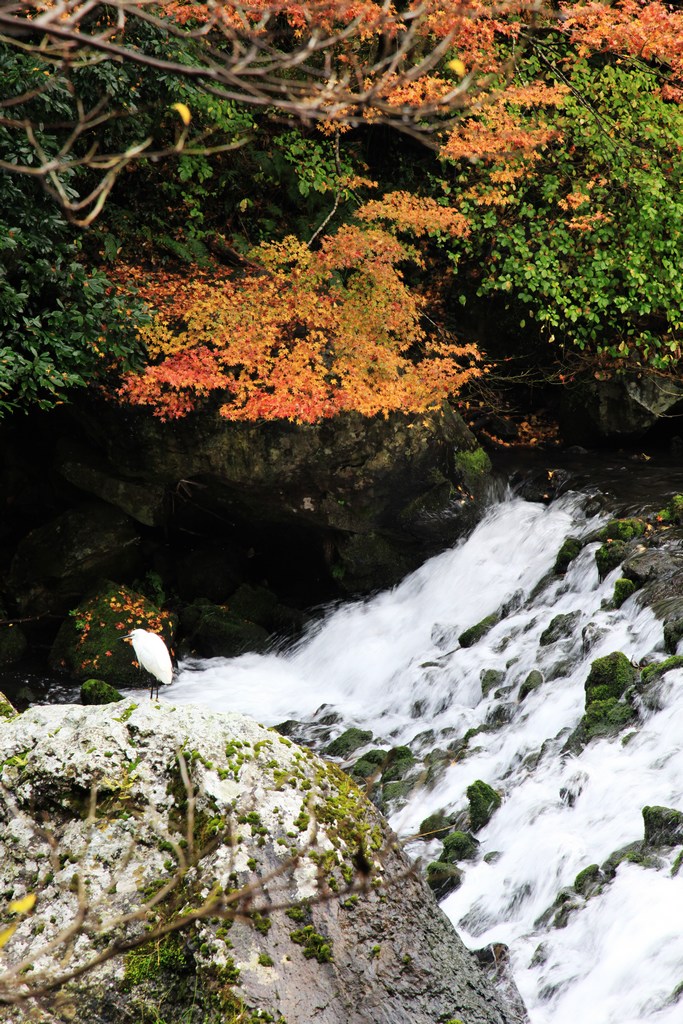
(392, 664)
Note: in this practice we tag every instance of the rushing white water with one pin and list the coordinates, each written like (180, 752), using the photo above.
(393, 665)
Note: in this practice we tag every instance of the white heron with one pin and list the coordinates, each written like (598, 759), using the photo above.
(152, 654)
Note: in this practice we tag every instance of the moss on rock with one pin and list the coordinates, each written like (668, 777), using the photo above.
(7, 709)
(623, 589)
(96, 691)
(473, 464)
(369, 765)
(483, 800)
(623, 529)
(435, 826)
(571, 547)
(560, 628)
(491, 678)
(214, 631)
(475, 633)
(673, 633)
(663, 826)
(606, 718)
(459, 846)
(652, 672)
(531, 683)
(89, 639)
(609, 556)
(349, 741)
(443, 878)
(609, 676)
(587, 880)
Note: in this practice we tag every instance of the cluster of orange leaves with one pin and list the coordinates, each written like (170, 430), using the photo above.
(647, 30)
(309, 334)
(504, 128)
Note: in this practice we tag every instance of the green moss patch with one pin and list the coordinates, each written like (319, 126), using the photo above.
(652, 672)
(610, 676)
(315, 946)
(623, 589)
(480, 629)
(349, 741)
(609, 556)
(459, 846)
(623, 529)
(567, 553)
(96, 691)
(663, 826)
(484, 800)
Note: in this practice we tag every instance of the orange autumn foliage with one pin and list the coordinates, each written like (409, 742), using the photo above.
(307, 336)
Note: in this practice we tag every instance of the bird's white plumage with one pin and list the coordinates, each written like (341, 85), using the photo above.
(152, 654)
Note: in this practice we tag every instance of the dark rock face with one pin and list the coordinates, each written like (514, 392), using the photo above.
(374, 495)
(55, 563)
(300, 947)
(626, 407)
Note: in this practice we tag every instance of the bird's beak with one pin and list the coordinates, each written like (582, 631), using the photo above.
(128, 636)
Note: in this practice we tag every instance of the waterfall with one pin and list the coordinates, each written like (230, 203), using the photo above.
(393, 665)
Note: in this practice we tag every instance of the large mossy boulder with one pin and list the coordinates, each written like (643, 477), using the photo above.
(57, 563)
(90, 639)
(368, 498)
(299, 904)
(215, 631)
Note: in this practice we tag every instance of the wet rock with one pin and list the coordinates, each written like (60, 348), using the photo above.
(571, 547)
(623, 589)
(212, 572)
(609, 556)
(89, 472)
(499, 715)
(490, 678)
(56, 564)
(610, 688)
(399, 761)
(366, 498)
(369, 766)
(663, 826)
(96, 691)
(435, 826)
(632, 853)
(213, 631)
(484, 801)
(610, 676)
(561, 628)
(589, 881)
(480, 629)
(459, 846)
(443, 878)
(673, 632)
(349, 741)
(531, 683)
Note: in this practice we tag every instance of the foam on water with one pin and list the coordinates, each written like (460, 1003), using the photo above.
(393, 665)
